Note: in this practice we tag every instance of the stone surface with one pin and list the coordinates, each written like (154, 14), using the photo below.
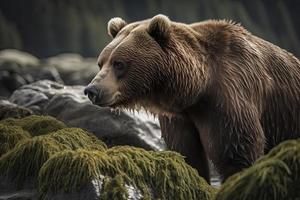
(19, 195)
(19, 68)
(68, 103)
(9, 191)
(8, 109)
(73, 68)
(91, 191)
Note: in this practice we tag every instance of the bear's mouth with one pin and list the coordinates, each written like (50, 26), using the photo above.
(108, 102)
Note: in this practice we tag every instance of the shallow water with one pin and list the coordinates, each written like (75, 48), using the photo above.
(215, 181)
(19, 194)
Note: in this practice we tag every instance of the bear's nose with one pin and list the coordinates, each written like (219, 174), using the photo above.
(92, 92)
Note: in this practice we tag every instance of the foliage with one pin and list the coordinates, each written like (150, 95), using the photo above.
(9, 35)
(60, 159)
(275, 176)
(44, 27)
(36, 125)
(13, 112)
(26, 159)
(76, 138)
(166, 173)
(10, 136)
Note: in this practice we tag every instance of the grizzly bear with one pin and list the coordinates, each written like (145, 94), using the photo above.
(221, 93)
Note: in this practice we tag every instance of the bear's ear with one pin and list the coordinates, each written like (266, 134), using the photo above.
(159, 28)
(115, 25)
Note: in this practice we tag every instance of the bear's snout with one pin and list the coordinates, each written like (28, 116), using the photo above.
(92, 92)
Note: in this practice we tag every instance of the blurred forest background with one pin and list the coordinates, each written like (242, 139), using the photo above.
(49, 27)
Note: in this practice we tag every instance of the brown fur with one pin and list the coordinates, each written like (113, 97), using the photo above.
(115, 25)
(231, 95)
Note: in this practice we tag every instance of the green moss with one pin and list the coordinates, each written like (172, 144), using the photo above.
(70, 169)
(274, 176)
(77, 138)
(70, 158)
(164, 172)
(10, 136)
(177, 180)
(26, 159)
(9, 111)
(114, 188)
(36, 125)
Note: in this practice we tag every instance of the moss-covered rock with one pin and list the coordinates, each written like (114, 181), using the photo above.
(115, 188)
(76, 138)
(26, 159)
(275, 176)
(158, 175)
(10, 136)
(68, 170)
(36, 125)
(10, 111)
(57, 159)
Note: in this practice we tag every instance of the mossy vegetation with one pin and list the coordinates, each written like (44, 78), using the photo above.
(69, 159)
(36, 125)
(26, 159)
(9, 111)
(69, 170)
(114, 188)
(163, 175)
(76, 138)
(275, 176)
(10, 136)
(25, 154)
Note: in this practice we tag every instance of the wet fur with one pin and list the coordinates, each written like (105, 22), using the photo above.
(231, 95)
(252, 101)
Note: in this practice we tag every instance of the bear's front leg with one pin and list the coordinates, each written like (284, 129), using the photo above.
(181, 135)
(237, 140)
(233, 139)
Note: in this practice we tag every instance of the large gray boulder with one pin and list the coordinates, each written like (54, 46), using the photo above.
(73, 68)
(19, 68)
(70, 105)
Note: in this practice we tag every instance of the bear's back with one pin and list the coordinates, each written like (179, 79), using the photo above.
(267, 75)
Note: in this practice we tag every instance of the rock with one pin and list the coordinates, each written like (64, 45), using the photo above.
(91, 191)
(68, 103)
(16, 56)
(8, 190)
(10, 110)
(72, 164)
(19, 68)
(24, 194)
(73, 68)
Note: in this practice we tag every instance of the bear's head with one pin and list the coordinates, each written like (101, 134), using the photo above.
(149, 64)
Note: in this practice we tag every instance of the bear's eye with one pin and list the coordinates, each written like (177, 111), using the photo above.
(119, 65)
(119, 68)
